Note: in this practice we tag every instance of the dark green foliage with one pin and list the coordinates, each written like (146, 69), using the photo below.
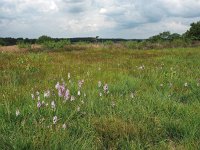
(2, 42)
(51, 44)
(42, 39)
(164, 36)
(13, 41)
(194, 31)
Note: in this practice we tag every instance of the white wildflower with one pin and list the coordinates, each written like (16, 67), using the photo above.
(100, 94)
(57, 86)
(79, 93)
(33, 96)
(80, 83)
(17, 112)
(55, 119)
(141, 67)
(53, 105)
(72, 98)
(69, 76)
(64, 126)
(37, 93)
(47, 94)
(186, 84)
(132, 95)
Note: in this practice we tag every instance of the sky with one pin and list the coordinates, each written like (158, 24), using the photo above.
(129, 19)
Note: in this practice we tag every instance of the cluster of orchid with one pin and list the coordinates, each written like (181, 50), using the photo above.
(63, 92)
(105, 89)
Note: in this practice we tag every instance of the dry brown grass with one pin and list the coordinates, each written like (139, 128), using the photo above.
(15, 48)
(10, 49)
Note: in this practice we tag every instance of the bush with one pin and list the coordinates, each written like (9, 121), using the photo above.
(43, 39)
(56, 45)
(22, 44)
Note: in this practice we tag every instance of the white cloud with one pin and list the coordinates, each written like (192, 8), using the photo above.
(103, 11)
(107, 18)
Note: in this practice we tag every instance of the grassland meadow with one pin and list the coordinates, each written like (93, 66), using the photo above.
(100, 99)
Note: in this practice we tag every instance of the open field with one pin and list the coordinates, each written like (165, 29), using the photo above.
(105, 99)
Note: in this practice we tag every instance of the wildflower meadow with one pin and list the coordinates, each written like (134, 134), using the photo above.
(100, 99)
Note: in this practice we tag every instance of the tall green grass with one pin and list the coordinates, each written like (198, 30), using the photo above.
(153, 100)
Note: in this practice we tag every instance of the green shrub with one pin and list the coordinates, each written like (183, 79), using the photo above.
(55, 45)
(22, 44)
(42, 39)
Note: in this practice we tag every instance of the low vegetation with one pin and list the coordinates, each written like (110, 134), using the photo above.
(23, 45)
(101, 94)
(100, 99)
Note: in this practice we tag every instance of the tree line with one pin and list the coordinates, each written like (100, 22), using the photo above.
(193, 34)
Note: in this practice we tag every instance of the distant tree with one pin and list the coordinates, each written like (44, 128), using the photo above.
(194, 31)
(174, 36)
(43, 39)
(2, 42)
(165, 36)
(26, 40)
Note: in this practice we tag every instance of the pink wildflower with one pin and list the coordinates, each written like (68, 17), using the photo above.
(67, 94)
(105, 88)
(39, 104)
